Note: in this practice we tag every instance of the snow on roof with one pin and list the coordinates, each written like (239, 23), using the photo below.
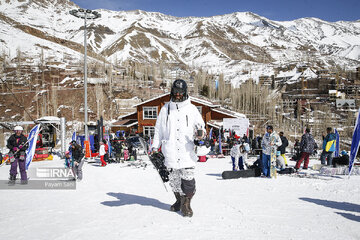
(228, 112)
(124, 123)
(307, 74)
(215, 123)
(96, 80)
(203, 101)
(152, 99)
(48, 118)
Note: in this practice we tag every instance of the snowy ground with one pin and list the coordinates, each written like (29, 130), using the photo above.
(125, 202)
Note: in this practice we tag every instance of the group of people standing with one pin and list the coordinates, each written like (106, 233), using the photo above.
(272, 142)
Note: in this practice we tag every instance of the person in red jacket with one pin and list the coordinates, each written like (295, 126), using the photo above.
(102, 153)
(106, 156)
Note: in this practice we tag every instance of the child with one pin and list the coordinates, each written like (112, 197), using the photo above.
(126, 152)
(68, 162)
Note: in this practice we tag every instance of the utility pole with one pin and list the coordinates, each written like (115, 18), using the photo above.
(85, 14)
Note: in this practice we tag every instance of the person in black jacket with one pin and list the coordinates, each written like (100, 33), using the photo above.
(117, 148)
(78, 158)
(17, 145)
(283, 146)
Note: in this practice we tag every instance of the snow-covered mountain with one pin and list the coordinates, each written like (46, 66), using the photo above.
(233, 43)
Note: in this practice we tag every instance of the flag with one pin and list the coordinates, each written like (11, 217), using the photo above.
(107, 138)
(150, 143)
(337, 144)
(210, 133)
(355, 143)
(216, 85)
(32, 138)
(220, 148)
(73, 138)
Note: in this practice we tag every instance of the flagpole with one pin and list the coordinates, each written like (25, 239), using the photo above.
(354, 143)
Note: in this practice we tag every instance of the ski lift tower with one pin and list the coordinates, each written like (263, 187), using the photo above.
(85, 14)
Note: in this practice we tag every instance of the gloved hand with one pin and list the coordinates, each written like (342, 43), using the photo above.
(15, 149)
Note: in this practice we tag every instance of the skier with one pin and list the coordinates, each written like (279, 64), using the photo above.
(78, 158)
(267, 146)
(175, 128)
(17, 155)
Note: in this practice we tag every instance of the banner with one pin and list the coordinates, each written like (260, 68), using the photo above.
(337, 144)
(220, 148)
(32, 138)
(73, 138)
(239, 125)
(354, 143)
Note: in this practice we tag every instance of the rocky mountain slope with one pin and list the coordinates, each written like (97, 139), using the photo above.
(242, 45)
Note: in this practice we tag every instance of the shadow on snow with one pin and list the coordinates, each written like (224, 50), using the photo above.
(129, 199)
(345, 206)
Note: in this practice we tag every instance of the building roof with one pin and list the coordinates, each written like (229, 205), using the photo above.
(215, 123)
(126, 115)
(152, 99)
(125, 123)
(193, 99)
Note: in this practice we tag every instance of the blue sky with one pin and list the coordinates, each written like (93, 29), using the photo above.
(282, 10)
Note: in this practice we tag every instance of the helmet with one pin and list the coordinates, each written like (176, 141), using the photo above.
(18, 128)
(343, 152)
(72, 142)
(179, 86)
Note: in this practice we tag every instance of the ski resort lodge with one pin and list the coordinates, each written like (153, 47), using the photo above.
(143, 120)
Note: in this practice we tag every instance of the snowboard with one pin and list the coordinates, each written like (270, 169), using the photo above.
(158, 161)
(273, 156)
(286, 171)
(256, 172)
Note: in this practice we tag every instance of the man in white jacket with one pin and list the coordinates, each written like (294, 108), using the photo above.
(270, 142)
(176, 125)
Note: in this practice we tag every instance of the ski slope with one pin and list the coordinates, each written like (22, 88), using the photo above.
(125, 202)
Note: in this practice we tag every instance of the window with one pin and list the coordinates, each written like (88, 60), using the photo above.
(149, 112)
(149, 131)
(199, 108)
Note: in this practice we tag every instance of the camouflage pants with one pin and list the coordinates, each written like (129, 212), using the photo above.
(182, 181)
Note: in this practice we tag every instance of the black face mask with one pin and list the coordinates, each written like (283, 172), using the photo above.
(180, 99)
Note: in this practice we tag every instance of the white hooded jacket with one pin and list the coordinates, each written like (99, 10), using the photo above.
(174, 132)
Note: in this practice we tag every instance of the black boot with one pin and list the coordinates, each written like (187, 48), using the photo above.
(176, 206)
(185, 206)
(12, 180)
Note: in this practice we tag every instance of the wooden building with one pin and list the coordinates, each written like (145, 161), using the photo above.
(143, 120)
